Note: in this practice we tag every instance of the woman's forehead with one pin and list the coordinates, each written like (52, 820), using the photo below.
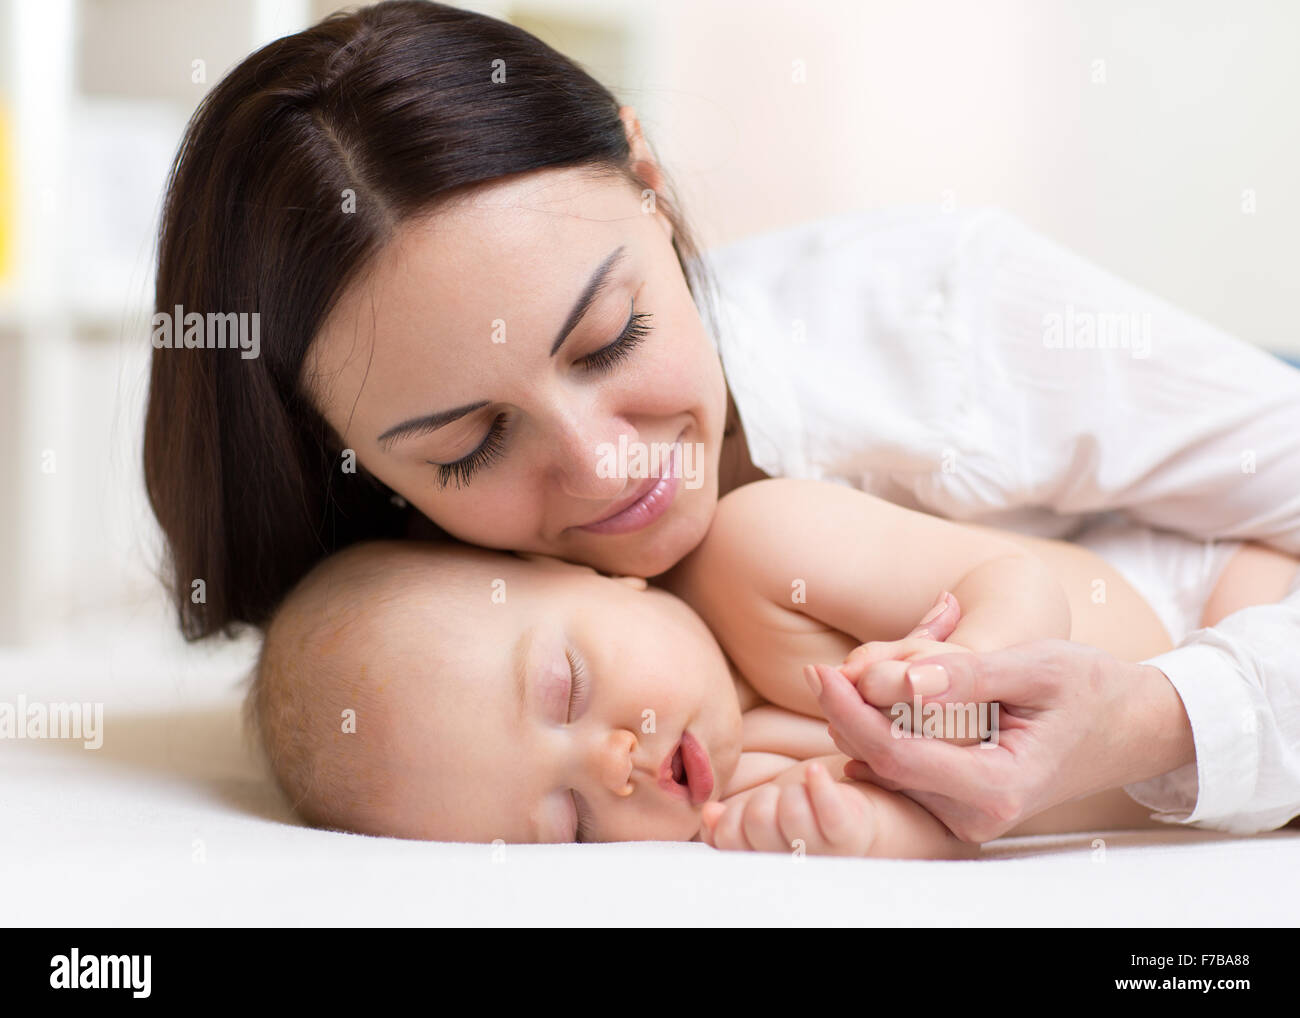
(448, 276)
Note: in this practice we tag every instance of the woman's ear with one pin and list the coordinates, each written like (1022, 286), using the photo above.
(645, 167)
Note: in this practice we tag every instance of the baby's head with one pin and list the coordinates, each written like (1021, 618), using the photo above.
(449, 693)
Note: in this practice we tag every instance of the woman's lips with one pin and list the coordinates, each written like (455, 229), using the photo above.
(651, 502)
(688, 761)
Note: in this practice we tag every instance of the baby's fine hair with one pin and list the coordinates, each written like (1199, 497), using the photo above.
(311, 706)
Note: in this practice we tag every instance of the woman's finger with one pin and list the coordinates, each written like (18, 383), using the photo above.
(884, 684)
(1028, 675)
(840, 743)
(928, 765)
(966, 822)
(859, 771)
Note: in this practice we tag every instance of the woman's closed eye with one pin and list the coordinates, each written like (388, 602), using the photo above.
(637, 328)
(463, 470)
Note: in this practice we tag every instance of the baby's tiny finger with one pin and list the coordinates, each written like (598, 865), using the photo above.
(830, 811)
(727, 832)
(865, 655)
(795, 817)
(760, 826)
(848, 824)
(709, 817)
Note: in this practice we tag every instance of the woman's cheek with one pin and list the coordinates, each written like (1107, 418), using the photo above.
(501, 515)
(677, 379)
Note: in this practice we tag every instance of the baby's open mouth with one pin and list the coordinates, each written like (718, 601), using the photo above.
(686, 772)
(679, 768)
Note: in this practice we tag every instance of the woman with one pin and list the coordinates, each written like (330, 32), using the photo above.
(470, 280)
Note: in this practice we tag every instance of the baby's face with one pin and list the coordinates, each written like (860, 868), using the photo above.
(544, 702)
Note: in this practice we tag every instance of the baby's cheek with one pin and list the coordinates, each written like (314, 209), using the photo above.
(639, 822)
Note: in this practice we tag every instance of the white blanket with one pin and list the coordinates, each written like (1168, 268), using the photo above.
(172, 821)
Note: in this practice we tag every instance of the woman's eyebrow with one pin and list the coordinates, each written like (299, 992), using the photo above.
(595, 286)
(426, 423)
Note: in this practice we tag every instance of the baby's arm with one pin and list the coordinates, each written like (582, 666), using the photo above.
(862, 566)
(873, 568)
(804, 808)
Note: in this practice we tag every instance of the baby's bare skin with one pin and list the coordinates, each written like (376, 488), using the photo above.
(746, 580)
(524, 699)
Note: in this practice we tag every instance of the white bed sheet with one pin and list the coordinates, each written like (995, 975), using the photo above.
(173, 822)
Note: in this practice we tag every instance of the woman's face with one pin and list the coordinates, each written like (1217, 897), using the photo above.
(469, 374)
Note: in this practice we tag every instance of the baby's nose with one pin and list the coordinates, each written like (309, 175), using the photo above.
(617, 761)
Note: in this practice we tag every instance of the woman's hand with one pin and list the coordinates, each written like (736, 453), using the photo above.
(1072, 721)
(884, 684)
(879, 669)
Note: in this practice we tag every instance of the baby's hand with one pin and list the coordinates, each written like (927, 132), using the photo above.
(818, 816)
(879, 672)
(886, 685)
(879, 669)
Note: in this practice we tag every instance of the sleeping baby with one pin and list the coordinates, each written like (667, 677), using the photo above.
(451, 693)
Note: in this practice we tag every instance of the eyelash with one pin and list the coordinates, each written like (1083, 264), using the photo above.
(607, 356)
(465, 468)
(490, 449)
(577, 695)
(577, 685)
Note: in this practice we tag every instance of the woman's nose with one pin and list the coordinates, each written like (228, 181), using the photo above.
(613, 763)
(586, 458)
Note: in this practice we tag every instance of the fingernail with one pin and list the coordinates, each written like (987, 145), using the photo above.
(937, 610)
(928, 680)
(814, 682)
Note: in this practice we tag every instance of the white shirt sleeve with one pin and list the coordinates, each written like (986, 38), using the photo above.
(1188, 429)
(965, 365)
(1240, 684)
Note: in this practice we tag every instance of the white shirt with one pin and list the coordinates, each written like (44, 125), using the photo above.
(961, 364)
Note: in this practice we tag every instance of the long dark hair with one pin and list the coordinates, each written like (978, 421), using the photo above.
(397, 103)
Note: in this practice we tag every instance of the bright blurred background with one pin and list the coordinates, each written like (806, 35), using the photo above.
(1158, 139)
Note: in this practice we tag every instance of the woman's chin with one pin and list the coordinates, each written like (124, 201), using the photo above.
(673, 541)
